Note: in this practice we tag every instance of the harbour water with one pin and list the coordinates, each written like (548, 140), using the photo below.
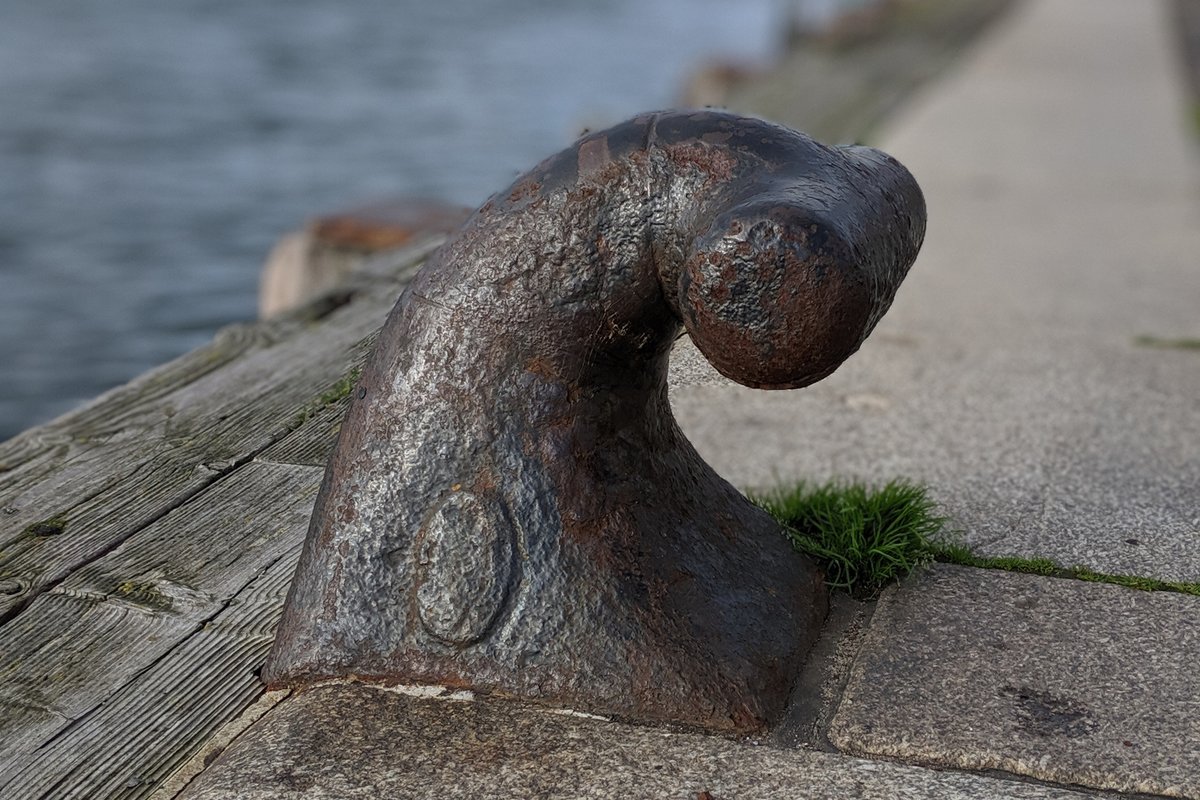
(151, 153)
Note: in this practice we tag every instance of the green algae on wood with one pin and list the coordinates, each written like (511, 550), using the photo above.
(47, 527)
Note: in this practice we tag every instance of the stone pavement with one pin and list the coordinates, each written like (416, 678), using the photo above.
(1012, 377)
(1062, 680)
(354, 741)
(1064, 224)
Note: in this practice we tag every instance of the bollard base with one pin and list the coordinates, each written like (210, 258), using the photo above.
(664, 597)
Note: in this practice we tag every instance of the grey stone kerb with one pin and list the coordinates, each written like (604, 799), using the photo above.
(510, 506)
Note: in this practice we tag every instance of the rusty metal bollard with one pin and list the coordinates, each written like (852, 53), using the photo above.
(511, 506)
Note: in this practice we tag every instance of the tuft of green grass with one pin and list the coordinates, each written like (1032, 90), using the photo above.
(861, 537)
(864, 538)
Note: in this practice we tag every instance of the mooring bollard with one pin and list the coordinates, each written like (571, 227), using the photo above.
(511, 507)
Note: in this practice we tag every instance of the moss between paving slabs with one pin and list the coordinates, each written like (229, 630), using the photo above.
(1167, 344)
(863, 538)
(958, 554)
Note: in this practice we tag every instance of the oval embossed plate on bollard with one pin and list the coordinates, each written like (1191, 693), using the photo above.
(465, 566)
(589, 557)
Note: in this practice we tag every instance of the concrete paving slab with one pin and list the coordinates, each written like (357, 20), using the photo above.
(1060, 680)
(1085, 453)
(1063, 196)
(357, 741)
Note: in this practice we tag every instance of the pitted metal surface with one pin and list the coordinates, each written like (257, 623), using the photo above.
(511, 506)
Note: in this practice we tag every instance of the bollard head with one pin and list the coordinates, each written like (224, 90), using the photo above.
(510, 506)
(783, 287)
(773, 298)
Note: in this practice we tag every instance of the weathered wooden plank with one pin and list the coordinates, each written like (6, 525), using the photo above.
(131, 528)
(216, 743)
(133, 742)
(312, 443)
(127, 467)
(57, 513)
(126, 407)
(63, 434)
(52, 670)
(31, 456)
(380, 275)
(127, 416)
(90, 636)
(147, 477)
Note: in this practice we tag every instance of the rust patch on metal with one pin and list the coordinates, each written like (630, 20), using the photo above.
(593, 155)
(523, 190)
(704, 155)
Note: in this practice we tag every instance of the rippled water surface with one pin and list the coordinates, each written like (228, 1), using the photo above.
(151, 152)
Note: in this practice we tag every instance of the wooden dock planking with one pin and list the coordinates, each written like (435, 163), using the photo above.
(312, 443)
(166, 713)
(59, 437)
(143, 454)
(55, 662)
(171, 513)
(80, 643)
(152, 725)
